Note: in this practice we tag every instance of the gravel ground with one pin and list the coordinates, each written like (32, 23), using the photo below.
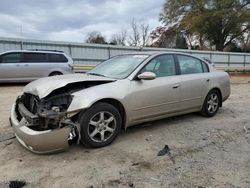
(208, 152)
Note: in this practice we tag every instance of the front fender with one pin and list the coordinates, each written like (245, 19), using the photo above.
(82, 102)
(87, 97)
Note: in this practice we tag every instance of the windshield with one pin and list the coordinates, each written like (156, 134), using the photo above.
(118, 67)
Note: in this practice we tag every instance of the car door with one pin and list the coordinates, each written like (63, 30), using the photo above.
(152, 99)
(10, 68)
(34, 65)
(194, 82)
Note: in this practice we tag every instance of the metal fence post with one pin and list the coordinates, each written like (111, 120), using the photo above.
(109, 55)
(21, 44)
(245, 58)
(70, 49)
(244, 63)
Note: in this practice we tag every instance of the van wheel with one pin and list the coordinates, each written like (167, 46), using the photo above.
(211, 104)
(100, 125)
(55, 73)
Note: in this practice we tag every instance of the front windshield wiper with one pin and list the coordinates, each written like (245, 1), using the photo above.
(96, 74)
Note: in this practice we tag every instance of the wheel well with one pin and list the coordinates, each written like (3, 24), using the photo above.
(220, 95)
(118, 105)
(55, 73)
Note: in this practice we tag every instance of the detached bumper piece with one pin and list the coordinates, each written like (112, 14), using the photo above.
(41, 142)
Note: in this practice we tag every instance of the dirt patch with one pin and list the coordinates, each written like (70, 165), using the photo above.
(208, 152)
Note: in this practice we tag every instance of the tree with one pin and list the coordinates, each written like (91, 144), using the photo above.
(233, 47)
(245, 42)
(219, 21)
(95, 37)
(139, 34)
(119, 38)
(181, 42)
(163, 37)
(145, 34)
(134, 37)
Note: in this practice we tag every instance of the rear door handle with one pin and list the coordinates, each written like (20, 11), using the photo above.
(176, 86)
(26, 65)
(17, 65)
(208, 80)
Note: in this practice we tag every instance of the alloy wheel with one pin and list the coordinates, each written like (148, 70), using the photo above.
(101, 126)
(213, 103)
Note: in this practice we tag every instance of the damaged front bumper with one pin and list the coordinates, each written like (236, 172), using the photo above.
(41, 142)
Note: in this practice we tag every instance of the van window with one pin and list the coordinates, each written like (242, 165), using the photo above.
(34, 57)
(57, 58)
(10, 58)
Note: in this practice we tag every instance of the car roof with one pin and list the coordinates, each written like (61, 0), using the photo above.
(156, 53)
(152, 53)
(35, 51)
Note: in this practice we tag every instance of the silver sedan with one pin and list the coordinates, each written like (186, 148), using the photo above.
(92, 108)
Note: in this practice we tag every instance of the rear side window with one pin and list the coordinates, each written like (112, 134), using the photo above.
(189, 65)
(10, 58)
(34, 57)
(57, 58)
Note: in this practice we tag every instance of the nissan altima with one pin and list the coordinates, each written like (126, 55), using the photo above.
(55, 112)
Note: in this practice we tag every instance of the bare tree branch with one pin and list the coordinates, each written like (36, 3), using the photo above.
(139, 34)
(145, 34)
(119, 38)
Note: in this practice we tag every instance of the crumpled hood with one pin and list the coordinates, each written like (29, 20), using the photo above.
(44, 86)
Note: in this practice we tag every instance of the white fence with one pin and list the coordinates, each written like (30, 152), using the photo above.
(92, 54)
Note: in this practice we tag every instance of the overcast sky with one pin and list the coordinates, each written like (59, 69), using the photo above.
(72, 20)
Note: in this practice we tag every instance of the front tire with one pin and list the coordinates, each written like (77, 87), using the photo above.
(211, 104)
(100, 125)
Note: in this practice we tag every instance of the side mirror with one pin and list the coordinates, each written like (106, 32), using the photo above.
(147, 76)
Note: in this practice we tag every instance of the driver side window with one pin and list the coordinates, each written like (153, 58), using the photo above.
(162, 66)
(152, 66)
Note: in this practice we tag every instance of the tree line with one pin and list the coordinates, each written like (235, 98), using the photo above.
(138, 35)
(222, 25)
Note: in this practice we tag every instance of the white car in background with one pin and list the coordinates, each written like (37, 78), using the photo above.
(28, 65)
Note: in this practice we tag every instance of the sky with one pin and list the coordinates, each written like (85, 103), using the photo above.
(72, 20)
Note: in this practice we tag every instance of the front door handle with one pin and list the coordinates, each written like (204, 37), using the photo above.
(26, 65)
(208, 80)
(176, 86)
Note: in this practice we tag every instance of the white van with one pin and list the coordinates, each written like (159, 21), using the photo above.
(28, 65)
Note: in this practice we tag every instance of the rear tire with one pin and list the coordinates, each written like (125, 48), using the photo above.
(55, 73)
(100, 125)
(211, 104)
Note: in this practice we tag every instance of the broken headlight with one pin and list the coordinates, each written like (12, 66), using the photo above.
(57, 104)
